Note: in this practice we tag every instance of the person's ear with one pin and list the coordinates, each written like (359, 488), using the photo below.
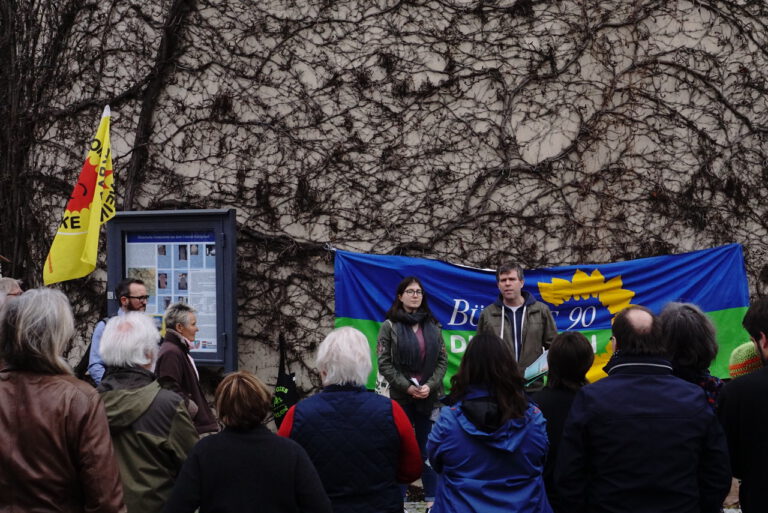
(762, 342)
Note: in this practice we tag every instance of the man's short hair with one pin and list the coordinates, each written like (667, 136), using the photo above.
(507, 267)
(756, 319)
(178, 313)
(129, 340)
(124, 287)
(637, 339)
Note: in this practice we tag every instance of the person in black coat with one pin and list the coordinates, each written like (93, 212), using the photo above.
(569, 358)
(641, 440)
(246, 467)
(743, 410)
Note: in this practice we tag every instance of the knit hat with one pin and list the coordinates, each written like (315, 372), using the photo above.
(744, 359)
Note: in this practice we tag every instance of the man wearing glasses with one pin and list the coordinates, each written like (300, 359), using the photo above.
(518, 319)
(132, 294)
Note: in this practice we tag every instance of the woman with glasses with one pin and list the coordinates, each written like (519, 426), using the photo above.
(413, 361)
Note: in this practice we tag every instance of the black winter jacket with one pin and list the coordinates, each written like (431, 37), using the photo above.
(743, 411)
(642, 441)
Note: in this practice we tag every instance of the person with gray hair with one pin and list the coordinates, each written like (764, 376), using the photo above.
(362, 444)
(9, 287)
(57, 452)
(152, 431)
(176, 369)
(689, 337)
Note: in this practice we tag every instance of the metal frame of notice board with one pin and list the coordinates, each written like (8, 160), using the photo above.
(182, 256)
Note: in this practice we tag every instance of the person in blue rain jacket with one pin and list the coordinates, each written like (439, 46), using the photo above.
(490, 445)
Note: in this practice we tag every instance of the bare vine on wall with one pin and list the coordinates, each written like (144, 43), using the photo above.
(548, 132)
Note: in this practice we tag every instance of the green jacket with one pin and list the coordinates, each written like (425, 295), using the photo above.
(398, 379)
(151, 433)
(538, 328)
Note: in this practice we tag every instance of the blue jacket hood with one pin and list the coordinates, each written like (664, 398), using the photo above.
(507, 437)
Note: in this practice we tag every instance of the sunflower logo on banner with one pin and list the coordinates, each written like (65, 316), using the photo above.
(585, 287)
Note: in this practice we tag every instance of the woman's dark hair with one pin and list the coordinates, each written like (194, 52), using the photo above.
(570, 357)
(489, 362)
(397, 305)
(242, 400)
(689, 336)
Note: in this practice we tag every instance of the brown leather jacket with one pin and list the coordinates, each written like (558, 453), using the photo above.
(55, 449)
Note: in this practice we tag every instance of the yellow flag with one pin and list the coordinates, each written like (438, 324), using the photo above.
(75, 248)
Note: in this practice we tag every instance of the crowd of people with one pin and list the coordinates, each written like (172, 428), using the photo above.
(659, 434)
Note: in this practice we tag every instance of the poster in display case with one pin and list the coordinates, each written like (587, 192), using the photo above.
(183, 256)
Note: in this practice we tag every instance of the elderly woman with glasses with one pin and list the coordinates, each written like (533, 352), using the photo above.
(413, 361)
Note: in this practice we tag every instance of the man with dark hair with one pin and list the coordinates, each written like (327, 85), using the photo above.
(517, 318)
(743, 410)
(132, 296)
(641, 440)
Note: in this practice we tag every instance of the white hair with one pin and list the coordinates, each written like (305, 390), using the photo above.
(344, 357)
(129, 340)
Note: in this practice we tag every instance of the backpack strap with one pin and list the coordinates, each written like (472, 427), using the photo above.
(81, 369)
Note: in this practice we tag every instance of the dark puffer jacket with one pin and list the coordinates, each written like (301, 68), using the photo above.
(151, 432)
(361, 443)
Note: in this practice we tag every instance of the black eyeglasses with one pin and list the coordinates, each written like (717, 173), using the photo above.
(412, 292)
(140, 298)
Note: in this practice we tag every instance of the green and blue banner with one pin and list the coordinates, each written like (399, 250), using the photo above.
(583, 298)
